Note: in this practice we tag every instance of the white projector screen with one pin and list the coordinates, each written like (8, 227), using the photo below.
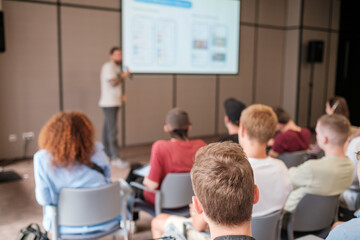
(181, 36)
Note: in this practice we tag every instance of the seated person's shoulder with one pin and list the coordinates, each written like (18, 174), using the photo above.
(42, 156)
(198, 142)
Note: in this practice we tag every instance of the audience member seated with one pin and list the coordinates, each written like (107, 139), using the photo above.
(347, 230)
(224, 190)
(329, 175)
(257, 126)
(348, 198)
(233, 109)
(290, 137)
(169, 156)
(335, 105)
(69, 158)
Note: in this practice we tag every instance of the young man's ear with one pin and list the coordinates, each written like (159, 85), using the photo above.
(166, 129)
(241, 131)
(326, 139)
(226, 119)
(197, 205)
(256, 194)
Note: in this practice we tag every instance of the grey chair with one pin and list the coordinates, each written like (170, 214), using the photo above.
(293, 159)
(88, 206)
(313, 213)
(267, 227)
(174, 196)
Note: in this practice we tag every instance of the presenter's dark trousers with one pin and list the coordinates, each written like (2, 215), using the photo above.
(110, 132)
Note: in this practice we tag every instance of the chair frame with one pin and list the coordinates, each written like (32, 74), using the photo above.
(158, 206)
(278, 214)
(117, 230)
(288, 158)
(307, 198)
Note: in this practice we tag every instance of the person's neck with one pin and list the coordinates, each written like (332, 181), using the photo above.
(221, 230)
(179, 139)
(254, 149)
(291, 126)
(335, 151)
(232, 129)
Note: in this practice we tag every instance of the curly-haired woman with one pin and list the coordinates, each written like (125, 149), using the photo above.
(69, 158)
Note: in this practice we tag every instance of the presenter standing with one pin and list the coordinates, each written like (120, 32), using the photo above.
(111, 78)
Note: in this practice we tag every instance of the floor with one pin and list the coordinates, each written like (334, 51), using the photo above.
(18, 207)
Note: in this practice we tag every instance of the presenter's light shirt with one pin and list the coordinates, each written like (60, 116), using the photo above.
(110, 95)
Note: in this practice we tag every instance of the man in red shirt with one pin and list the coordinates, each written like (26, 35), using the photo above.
(291, 138)
(174, 155)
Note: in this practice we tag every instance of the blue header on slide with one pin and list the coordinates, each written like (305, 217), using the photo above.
(172, 3)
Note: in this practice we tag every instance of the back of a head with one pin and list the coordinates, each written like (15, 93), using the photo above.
(69, 137)
(223, 182)
(259, 122)
(336, 127)
(339, 105)
(233, 109)
(178, 122)
(282, 116)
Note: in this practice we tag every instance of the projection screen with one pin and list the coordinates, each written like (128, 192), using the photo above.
(181, 36)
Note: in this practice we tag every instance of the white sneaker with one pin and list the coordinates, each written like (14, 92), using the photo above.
(118, 162)
(130, 226)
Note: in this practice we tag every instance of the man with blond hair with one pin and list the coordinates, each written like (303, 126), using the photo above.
(257, 127)
(330, 175)
(224, 189)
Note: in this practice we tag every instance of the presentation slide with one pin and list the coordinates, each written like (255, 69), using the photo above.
(181, 36)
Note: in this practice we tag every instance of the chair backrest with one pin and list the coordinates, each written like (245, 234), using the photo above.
(293, 159)
(315, 212)
(176, 190)
(89, 206)
(266, 227)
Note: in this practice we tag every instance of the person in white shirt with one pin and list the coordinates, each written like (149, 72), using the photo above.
(110, 101)
(257, 127)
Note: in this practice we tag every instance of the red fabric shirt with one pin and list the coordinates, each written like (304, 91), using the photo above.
(171, 156)
(292, 141)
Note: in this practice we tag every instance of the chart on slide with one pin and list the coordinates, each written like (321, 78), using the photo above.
(180, 36)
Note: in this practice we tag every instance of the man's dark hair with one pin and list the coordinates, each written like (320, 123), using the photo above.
(113, 49)
(233, 109)
(283, 117)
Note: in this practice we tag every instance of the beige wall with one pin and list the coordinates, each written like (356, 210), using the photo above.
(321, 22)
(270, 40)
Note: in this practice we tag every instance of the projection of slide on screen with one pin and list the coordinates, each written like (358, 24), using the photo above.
(181, 36)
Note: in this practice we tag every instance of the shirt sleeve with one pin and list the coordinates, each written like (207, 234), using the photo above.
(156, 173)
(300, 176)
(107, 72)
(102, 159)
(42, 190)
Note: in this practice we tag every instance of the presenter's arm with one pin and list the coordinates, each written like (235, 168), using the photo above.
(115, 81)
